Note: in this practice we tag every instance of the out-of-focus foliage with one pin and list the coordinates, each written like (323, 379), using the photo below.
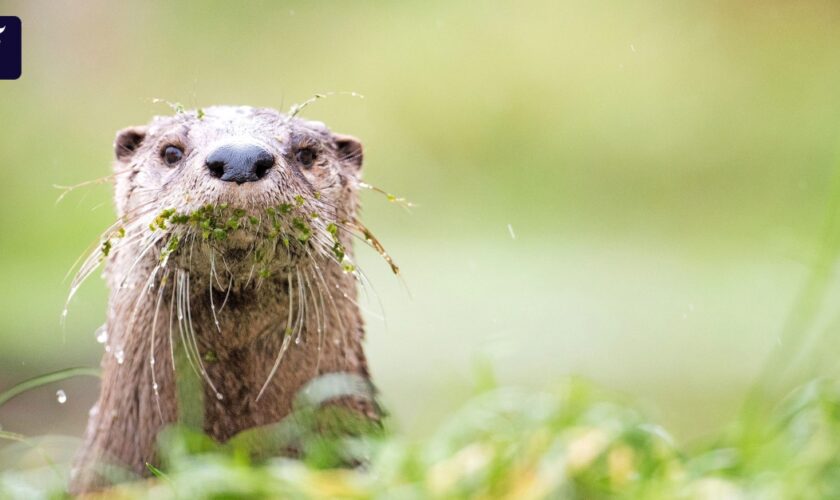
(577, 442)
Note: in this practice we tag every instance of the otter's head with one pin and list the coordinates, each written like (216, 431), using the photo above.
(255, 188)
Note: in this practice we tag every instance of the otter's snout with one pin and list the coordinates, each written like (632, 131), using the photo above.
(239, 163)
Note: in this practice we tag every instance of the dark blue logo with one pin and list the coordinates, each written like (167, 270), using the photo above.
(10, 48)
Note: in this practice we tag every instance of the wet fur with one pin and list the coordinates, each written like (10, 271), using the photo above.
(207, 297)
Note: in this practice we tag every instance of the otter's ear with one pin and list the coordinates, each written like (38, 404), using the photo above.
(349, 150)
(127, 142)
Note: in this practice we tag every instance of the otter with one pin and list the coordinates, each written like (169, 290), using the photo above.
(233, 246)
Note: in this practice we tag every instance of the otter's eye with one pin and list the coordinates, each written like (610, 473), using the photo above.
(172, 155)
(306, 157)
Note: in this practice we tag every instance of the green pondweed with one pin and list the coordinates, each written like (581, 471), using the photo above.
(284, 223)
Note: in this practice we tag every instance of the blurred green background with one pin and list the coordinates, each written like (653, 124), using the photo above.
(630, 191)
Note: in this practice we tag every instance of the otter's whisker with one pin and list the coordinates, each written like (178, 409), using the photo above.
(287, 337)
(213, 273)
(250, 275)
(187, 335)
(227, 294)
(171, 314)
(127, 275)
(80, 278)
(317, 311)
(210, 286)
(302, 313)
(366, 283)
(152, 360)
(295, 329)
(283, 348)
(367, 286)
(91, 263)
(68, 189)
(333, 305)
(182, 321)
(195, 345)
(93, 248)
(140, 296)
(318, 319)
(227, 268)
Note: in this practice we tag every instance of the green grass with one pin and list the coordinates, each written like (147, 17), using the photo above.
(575, 442)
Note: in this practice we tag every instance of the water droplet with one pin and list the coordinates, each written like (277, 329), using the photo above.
(120, 355)
(64, 313)
(155, 387)
(61, 396)
(297, 340)
(102, 334)
(152, 361)
(219, 396)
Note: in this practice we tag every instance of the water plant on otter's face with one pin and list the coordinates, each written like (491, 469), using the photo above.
(233, 243)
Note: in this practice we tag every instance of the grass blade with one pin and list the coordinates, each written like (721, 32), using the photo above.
(156, 472)
(12, 436)
(45, 379)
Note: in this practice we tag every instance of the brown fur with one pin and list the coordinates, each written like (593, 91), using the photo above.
(243, 348)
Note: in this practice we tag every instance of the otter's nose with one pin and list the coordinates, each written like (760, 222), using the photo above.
(239, 163)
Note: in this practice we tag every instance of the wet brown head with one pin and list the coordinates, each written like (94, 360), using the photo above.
(277, 175)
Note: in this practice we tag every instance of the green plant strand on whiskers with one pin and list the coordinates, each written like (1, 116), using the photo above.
(285, 223)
